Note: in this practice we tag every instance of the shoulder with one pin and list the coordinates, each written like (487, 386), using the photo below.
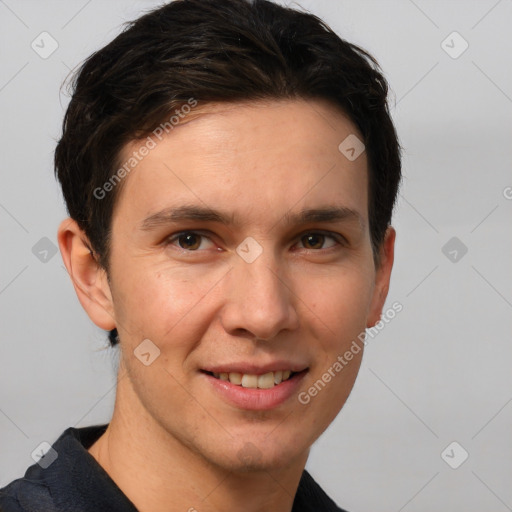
(310, 497)
(26, 494)
(48, 486)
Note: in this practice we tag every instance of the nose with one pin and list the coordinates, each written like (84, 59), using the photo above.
(260, 302)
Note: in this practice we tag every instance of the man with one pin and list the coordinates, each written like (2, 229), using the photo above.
(230, 169)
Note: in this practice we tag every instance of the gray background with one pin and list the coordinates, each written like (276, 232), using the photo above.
(438, 373)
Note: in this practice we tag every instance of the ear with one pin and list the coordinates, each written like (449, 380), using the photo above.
(382, 277)
(88, 277)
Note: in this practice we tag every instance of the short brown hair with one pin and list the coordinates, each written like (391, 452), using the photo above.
(215, 51)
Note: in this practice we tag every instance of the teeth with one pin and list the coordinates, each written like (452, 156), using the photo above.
(249, 381)
(265, 381)
(235, 378)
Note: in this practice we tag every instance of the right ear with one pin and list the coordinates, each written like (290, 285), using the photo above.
(88, 277)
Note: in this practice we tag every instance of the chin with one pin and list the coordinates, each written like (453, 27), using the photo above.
(261, 455)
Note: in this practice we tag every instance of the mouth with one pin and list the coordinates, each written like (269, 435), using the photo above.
(266, 380)
(255, 385)
(255, 391)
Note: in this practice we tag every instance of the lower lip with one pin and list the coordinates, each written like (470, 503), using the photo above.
(256, 399)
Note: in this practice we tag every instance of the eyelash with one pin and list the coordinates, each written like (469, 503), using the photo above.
(339, 239)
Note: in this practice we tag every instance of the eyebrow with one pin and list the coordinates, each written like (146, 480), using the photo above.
(327, 214)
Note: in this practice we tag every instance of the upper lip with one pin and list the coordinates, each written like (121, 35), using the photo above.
(254, 368)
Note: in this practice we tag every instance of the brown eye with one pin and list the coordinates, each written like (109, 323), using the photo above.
(189, 241)
(316, 240)
(313, 241)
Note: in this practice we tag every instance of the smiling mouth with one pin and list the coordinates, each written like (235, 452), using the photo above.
(265, 381)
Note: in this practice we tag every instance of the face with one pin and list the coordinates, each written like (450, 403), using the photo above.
(241, 250)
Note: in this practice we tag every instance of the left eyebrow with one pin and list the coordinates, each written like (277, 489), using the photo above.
(328, 214)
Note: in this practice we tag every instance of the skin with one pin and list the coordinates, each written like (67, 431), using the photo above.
(173, 442)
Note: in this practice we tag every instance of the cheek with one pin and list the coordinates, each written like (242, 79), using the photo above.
(338, 304)
(338, 309)
(156, 301)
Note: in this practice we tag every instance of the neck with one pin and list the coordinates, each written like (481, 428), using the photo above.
(159, 473)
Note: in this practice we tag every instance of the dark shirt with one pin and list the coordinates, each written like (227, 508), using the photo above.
(75, 482)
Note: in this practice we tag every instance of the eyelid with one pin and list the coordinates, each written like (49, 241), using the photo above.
(331, 234)
(337, 237)
(172, 238)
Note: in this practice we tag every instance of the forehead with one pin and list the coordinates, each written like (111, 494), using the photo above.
(249, 156)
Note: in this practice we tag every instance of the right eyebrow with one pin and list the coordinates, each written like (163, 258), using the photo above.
(184, 212)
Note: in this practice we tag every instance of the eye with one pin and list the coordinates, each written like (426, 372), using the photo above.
(187, 240)
(192, 241)
(317, 238)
